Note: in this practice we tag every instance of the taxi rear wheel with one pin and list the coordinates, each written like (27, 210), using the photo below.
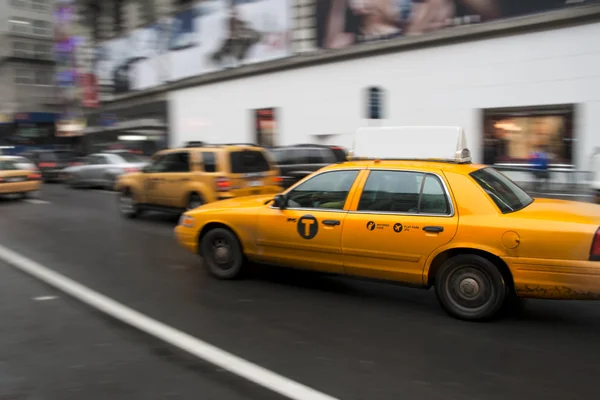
(222, 253)
(470, 287)
(194, 201)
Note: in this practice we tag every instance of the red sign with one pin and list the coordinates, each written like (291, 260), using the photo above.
(89, 90)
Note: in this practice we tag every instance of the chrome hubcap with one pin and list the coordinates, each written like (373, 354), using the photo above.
(468, 288)
(126, 203)
(221, 252)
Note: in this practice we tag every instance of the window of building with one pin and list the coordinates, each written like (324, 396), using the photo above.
(43, 50)
(19, 3)
(21, 49)
(42, 28)
(40, 5)
(24, 76)
(43, 77)
(513, 135)
(20, 25)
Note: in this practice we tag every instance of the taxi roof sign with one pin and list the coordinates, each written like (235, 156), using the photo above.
(443, 143)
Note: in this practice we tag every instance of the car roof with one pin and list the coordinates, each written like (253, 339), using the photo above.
(214, 147)
(419, 165)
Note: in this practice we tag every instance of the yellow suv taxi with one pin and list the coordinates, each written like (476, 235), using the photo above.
(185, 178)
(465, 229)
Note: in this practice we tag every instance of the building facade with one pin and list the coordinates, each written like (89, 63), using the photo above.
(518, 76)
(28, 98)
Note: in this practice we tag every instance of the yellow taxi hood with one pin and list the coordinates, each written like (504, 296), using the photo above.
(238, 202)
(562, 210)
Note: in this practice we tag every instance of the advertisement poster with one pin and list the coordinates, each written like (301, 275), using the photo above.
(211, 36)
(343, 23)
(512, 136)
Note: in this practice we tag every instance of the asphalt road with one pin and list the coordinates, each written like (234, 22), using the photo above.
(349, 339)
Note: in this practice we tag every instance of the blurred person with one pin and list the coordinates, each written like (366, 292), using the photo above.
(540, 160)
(240, 38)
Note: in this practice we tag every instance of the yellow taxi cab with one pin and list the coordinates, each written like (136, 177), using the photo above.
(185, 178)
(465, 229)
(18, 176)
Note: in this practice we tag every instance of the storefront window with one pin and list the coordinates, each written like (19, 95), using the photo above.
(512, 135)
(265, 127)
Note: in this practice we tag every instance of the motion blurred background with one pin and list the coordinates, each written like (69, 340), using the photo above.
(142, 75)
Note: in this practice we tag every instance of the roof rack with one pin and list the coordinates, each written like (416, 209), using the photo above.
(432, 143)
(204, 144)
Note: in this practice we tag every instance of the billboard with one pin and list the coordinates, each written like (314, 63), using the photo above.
(211, 36)
(343, 23)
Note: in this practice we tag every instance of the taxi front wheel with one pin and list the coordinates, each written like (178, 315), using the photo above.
(222, 253)
(470, 287)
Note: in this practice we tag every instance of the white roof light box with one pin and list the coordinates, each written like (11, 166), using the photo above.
(442, 143)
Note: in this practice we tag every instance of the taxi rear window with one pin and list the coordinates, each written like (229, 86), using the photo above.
(8, 165)
(248, 161)
(507, 195)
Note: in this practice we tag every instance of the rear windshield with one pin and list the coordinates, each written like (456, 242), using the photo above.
(248, 161)
(339, 153)
(132, 158)
(507, 195)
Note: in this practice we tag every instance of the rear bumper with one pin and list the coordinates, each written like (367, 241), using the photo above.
(52, 174)
(19, 187)
(556, 279)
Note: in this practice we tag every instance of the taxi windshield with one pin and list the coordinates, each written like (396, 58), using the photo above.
(507, 195)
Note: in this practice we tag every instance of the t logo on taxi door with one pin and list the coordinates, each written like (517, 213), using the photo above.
(308, 227)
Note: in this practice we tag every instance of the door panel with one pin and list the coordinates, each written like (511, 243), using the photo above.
(308, 233)
(308, 239)
(392, 247)
(400, 218)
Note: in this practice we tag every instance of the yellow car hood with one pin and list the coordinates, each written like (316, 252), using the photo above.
(238, 202)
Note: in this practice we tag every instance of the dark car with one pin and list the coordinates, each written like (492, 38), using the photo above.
(297, 161)
(52, 162)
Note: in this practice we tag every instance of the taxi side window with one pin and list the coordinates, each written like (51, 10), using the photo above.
(175, 162)
(328, 191)
(209, 161)
(403, 192)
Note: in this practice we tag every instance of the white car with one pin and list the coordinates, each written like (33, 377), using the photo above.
(103, 169)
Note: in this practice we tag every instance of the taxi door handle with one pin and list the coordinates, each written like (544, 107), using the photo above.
(433, 229)
(332, 222)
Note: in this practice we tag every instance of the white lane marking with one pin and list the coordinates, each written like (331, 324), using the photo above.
(45, 298)
(104, 191)
(36, 201)
(192, 345)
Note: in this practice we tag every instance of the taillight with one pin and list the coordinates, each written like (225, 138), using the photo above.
(47, 165)
(223, 184)
(278, 179)
(74, 164)
(34, 176)
(130, 170)
(595, 252)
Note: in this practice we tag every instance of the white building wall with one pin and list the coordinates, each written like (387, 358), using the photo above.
(440, 85)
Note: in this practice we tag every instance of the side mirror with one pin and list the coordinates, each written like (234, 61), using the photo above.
(280, 201)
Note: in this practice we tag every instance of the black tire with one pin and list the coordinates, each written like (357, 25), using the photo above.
(194, 201)
(471, 288)
(127, 204)
(231, 264)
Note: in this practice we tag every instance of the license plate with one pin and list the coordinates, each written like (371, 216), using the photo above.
(15, 179)
(254, 183)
